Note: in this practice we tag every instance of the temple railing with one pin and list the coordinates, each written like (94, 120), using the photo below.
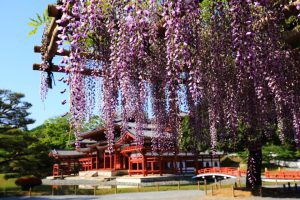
(223, 170)
(284, 174)
(87, 163)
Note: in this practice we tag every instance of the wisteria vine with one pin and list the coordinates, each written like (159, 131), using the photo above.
(235, 62)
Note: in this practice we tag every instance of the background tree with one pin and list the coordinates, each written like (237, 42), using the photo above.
(16, 145)
(13, 123)
(54, 133)
(13, 111)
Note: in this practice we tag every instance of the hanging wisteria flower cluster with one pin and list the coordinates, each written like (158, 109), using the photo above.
(166, 52)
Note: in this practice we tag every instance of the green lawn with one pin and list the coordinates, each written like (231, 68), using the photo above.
(8, 188)
(10, 183)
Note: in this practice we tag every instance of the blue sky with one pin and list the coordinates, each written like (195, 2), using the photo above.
(17, 57)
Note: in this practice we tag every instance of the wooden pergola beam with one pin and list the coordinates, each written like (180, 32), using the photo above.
(37, 49)
(51, 28)
(53, 11)
(53, 46)
(56, 68)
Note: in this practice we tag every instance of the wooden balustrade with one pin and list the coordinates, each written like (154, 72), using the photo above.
(223, 170)
(86, 163)
(283, 174)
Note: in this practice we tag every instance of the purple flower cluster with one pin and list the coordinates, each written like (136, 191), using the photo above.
(235, 64)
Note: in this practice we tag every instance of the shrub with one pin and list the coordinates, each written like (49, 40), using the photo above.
(27, 182)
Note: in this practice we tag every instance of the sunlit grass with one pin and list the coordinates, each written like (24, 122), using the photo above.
(9, 183)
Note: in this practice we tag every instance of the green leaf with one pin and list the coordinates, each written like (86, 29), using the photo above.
(67, 42)
(32, 24)
(34, 20)
(36, 23)
(45, 15)
(39, 18)
(32, 32)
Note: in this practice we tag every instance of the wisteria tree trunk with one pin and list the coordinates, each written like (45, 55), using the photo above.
(253, 179)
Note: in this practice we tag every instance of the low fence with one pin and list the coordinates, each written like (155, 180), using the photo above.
(283, 174)
(224, 170)
(48, 190)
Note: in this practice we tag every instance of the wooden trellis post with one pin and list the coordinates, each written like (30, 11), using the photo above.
(205, 187)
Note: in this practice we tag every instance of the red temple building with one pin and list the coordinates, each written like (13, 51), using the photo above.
(128, 157)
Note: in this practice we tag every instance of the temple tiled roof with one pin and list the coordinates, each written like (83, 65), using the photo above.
(95, 134)
(98, 134)
(66, 154)
(146, 133)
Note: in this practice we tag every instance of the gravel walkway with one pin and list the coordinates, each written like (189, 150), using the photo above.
(163, 195)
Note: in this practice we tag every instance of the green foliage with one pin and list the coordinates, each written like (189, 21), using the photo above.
(187, 143)
(185, 138)
(93, 123)
(54, 133)
(13, 111)
(38, 22)
(20, 153)
(272, 151)
(25, 152)
(280, 152)
(206, 9)
(6, 183)
(243, 155)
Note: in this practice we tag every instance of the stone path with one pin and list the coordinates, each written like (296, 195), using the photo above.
(163, 195)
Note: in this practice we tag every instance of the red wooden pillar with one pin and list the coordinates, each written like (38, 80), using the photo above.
(130, 166)
(180, 165)
(160, 166)
(175, 163)
(96, 160)
(124, 162)
(110, 161)
(104, 162)
(144, 165)
(152, 167)
(69, 167)
(115, 160)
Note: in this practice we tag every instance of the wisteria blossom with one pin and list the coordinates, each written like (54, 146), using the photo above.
(230, 58)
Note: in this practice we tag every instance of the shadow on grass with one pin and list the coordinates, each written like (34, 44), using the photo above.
(275, 192)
